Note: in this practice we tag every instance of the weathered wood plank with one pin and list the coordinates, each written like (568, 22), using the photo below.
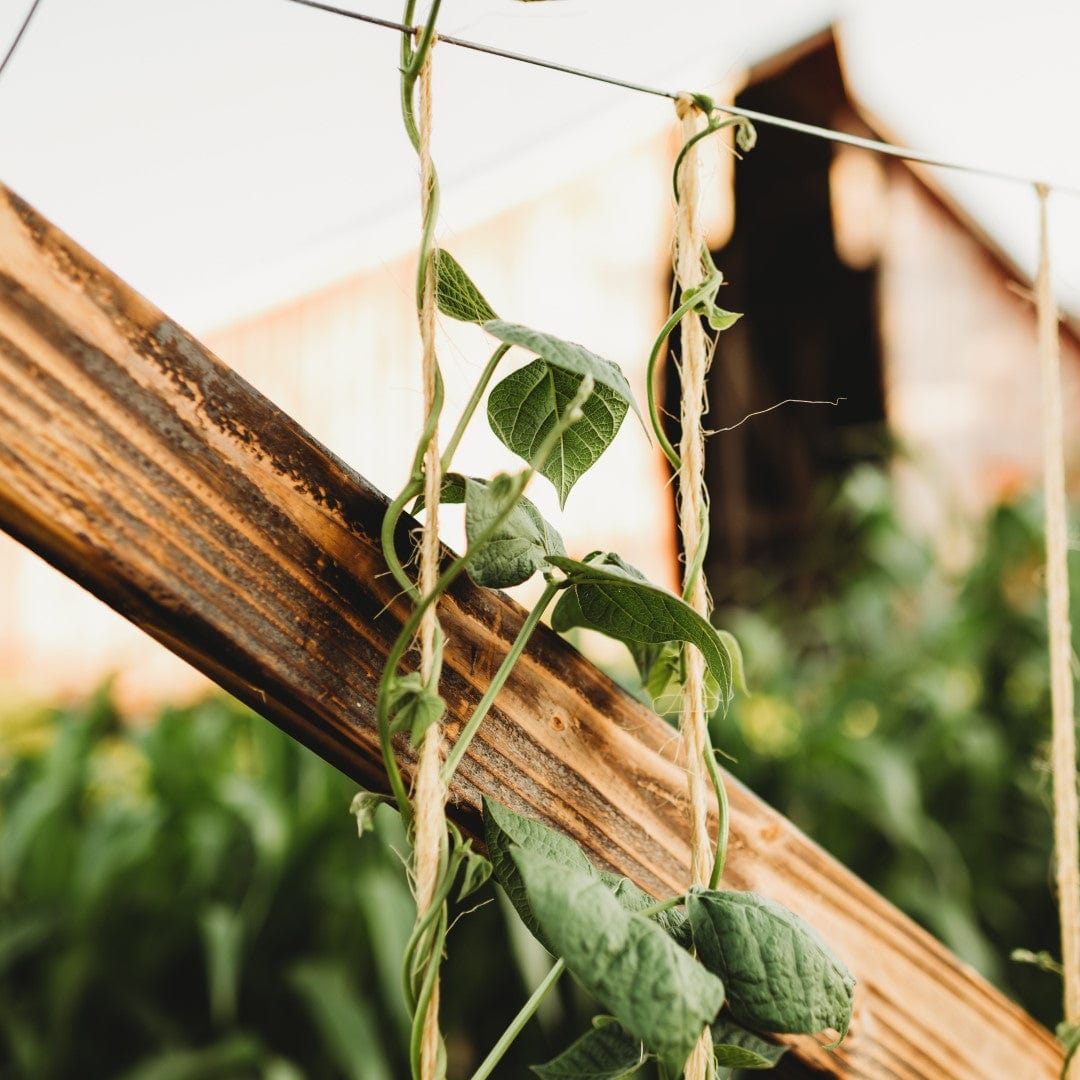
(146, 470)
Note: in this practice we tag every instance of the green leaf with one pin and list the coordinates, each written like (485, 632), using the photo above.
(518, 547)
(664, 679)
(412, 706)
(526, 405)
(705, 296)
(567, 356)
(474, 868)
(780, 975)
(504, 831)
(738, 667)
(719, 319)
(363, 806)
(232, 1056)
(607, 1052)
(654, 988)
(737, 1048)
(346, 1022)
(223, 946)
(1069, 1036)
(455, 293)
(609, 595)
(673, 921)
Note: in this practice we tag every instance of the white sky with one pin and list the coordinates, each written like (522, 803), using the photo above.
(224, 155)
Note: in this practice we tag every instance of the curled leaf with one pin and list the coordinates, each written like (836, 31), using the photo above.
(609, 595)
(363, 806)
(737, 1048)
(455, 293)
(504, 831)
(567, 356)
(412, 707)
(780, 976)
(474, 868)
(607, 1052)
(518, 547)
(654, 988)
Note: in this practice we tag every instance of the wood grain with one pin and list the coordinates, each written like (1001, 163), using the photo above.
(145, 469)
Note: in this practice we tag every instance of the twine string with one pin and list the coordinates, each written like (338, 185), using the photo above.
(429, 793)
(1063, 743)
(693, 511)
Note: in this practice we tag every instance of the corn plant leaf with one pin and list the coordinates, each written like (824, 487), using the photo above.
(455, 293)
(518, 547)
(653, 987)
(504, 831)
(524, 407)
(344, 1018)
(606, 1052)
(567, 356)
(609, 595)
(780, 976)
(737, 1048)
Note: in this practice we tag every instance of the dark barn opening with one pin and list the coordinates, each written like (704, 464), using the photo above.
(809, 331)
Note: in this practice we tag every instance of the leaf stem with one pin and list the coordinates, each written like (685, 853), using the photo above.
(723, 815)
(469, 730)
(471, 406)
(662, 905)
(516, 1025)
(713, 126)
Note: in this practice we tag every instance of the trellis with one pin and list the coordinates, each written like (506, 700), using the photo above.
(145, 469)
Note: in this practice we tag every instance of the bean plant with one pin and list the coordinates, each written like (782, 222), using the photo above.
(734, 962)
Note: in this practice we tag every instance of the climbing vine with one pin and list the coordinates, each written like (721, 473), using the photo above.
(702, 968)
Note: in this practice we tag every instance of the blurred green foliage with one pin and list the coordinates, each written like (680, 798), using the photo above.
(189, 900)
(902, 719)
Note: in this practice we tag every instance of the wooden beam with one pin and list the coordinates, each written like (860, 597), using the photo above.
(145, 469)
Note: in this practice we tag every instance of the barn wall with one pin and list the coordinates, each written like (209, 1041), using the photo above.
(962, 374)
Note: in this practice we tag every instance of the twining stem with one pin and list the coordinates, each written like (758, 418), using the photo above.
(415, 484)
(663, 905)
(389, 527)
(723, 825)
(404, 639)
(453, 759)
(525, 1014)
(714, 126)
(674, 319)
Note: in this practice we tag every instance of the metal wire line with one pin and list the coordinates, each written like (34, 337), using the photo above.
(18, 37)
(875, 145)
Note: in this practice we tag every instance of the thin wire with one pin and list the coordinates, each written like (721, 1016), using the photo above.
(875, 145)
(18, 37)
